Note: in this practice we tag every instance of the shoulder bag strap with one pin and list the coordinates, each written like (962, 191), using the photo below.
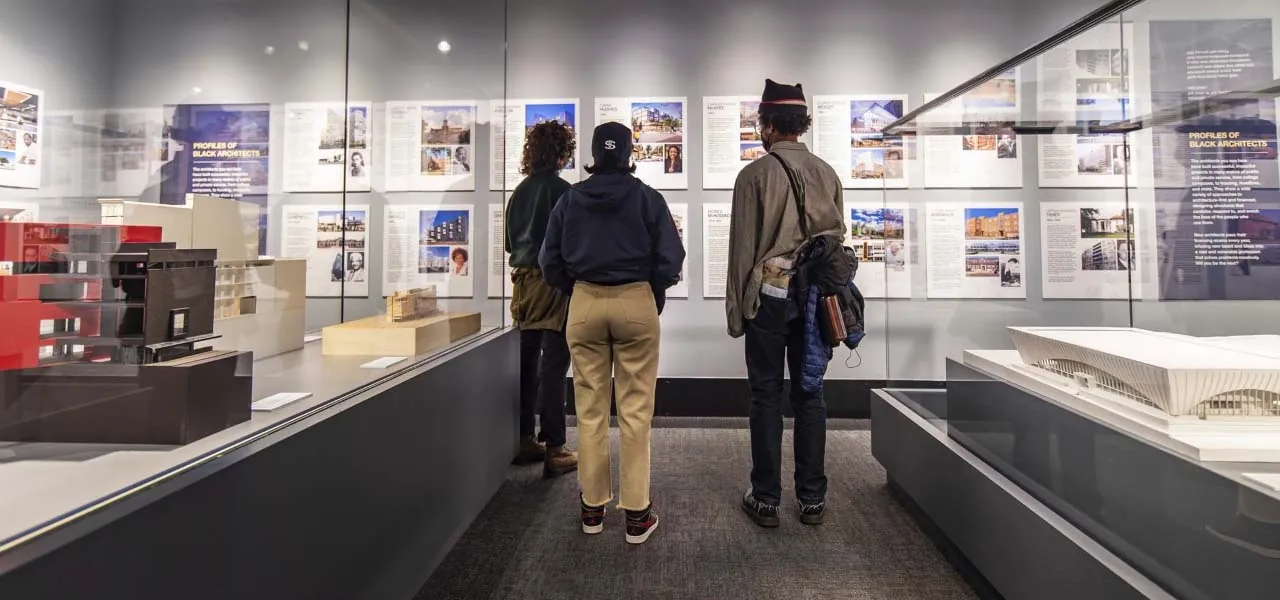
(797, 190)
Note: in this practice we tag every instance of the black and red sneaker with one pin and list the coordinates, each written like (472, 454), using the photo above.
(640, 525)
(592, 518)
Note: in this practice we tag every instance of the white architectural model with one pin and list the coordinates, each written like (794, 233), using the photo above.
(1180, 375)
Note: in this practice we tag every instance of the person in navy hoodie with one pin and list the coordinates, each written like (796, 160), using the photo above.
(613, 246)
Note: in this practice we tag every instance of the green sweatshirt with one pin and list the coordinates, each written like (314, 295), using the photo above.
(527, 214)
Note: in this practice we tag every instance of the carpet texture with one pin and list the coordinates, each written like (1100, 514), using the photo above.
(527, 543)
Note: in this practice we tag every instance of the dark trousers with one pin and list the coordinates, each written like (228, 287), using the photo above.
(775, 340)
(544, 364)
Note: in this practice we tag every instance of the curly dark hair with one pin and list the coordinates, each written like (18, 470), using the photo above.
(786, 124)
(546, 146)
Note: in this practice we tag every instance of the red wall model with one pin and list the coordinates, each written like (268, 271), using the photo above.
(28, 252)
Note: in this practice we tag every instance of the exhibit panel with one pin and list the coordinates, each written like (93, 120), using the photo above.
(1209, 180)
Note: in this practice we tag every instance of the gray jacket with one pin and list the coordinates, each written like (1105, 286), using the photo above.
(764, 223)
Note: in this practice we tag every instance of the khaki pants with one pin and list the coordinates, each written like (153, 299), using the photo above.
(613, 331)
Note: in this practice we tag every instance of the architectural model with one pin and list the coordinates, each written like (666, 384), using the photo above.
(411, 305)
(1181, 376)
(104, 328)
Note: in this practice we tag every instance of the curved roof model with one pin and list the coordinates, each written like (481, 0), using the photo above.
(1180, 375)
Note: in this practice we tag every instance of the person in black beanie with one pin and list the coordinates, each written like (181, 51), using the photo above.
(765, 235)
(614, 247)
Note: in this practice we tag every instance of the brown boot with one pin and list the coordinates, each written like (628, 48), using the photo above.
(531, 451)
(559, 461)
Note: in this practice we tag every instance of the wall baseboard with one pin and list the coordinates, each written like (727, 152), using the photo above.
(731, 397)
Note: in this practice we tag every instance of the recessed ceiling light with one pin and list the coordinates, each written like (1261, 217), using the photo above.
(304, 46)
(269, 50)
(195, 89)
(444, 46)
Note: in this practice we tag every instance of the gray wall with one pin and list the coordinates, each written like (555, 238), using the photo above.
(163, 49)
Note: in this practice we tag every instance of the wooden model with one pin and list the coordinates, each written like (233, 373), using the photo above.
(411, 305)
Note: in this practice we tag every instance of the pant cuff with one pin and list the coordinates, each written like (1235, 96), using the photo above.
(591, 504)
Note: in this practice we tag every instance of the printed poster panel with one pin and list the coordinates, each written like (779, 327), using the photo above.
(328, 147)
(729, 139)
(429, 245)
(13, 211)
(1085, 81)
(975, 251)
(431, 146)
(132, 150)
(846, 134)
(1216, 177)
(220, 150)
(511, 121)
(335, 245)
(22, 212)
(992, 156)
(658, 127)
(680, 214)
(715, 248)
(500, 285)
(21, 113)
(878, 234)
(1089, 250)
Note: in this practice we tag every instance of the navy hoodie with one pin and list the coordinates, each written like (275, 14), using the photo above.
(612, 229)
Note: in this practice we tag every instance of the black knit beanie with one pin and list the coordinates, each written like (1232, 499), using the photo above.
(782, 99)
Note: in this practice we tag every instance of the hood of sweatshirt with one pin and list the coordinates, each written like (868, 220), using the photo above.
(607, 192)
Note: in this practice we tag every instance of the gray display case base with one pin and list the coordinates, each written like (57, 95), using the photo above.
(362, 500)
(1018, 545)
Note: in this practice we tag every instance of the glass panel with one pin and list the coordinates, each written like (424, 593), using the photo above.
(1210, 179)
(432, 250)
(1016, 206)
(193, 195)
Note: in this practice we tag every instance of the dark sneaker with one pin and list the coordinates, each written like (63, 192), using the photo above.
(640, 525)
(592, 518)
(531, 451)
(559, 461)
(765, 515)
(811, 514)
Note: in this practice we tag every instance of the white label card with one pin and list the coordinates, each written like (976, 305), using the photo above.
(383, 362)
(275, 401)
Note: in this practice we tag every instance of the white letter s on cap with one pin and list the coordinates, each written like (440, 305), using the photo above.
(610, 145)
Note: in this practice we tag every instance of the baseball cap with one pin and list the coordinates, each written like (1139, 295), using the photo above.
(611, 146)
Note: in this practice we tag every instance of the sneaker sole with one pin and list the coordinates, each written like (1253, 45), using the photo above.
(761, 520)
(592, 529)
(640, 539)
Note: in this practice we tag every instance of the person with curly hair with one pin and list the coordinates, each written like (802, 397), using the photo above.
(537, 308)
(768, 226)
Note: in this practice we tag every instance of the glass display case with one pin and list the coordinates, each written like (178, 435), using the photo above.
(218, 219)
(1089, 262)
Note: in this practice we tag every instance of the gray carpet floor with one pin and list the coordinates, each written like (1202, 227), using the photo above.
(527, 543)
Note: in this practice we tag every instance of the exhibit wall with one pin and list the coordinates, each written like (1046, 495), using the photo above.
(723, 48)
(280, 57)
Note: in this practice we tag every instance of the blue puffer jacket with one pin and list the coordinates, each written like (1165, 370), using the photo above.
(819, 267)
(816, 351)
